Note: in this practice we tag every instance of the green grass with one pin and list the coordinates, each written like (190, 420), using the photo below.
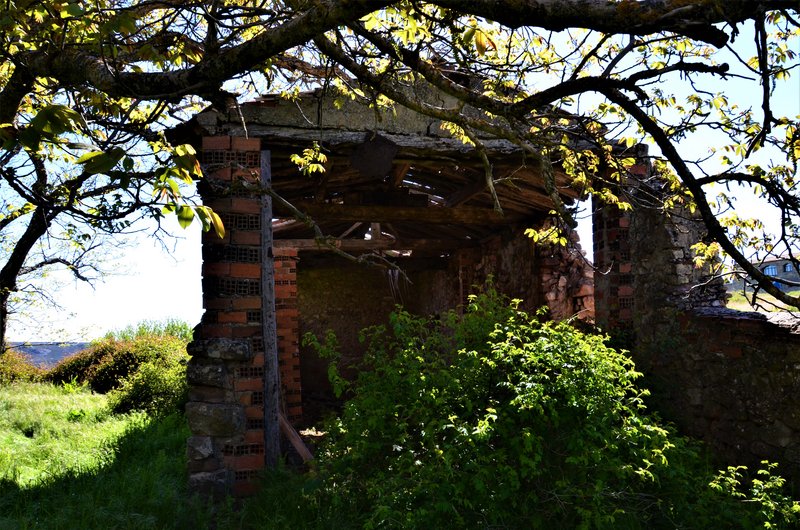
(48, 431)
(740, 302)
(66, 463)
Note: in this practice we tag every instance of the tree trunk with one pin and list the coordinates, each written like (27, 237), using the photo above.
(40, 221)
(4, 296)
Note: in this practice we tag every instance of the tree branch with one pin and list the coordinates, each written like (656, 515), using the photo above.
(715, 229)
(77, 67)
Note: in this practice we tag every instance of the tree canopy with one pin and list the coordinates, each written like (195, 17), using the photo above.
(87, 89)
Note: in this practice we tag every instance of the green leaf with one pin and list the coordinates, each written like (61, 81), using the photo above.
(57, 119)
(185, 216)
(469, 35)
(210, 218)
(100, 162)
(75, 10)
(370, 21)
(483, 42)
(216, 222)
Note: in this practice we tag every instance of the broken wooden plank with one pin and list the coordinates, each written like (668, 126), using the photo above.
(464, 194)
(294, 438)
(399, 174)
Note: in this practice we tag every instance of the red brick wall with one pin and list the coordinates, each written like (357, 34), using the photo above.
(288, 331)
(226, 373)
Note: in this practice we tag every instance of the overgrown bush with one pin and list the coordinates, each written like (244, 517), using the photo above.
(496, 419)
(158, 388)
(106, 364)
(16, 366)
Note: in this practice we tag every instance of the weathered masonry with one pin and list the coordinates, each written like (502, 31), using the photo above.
(396, 189)
(729, 378)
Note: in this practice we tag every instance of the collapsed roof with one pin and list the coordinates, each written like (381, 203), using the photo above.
(393, 179)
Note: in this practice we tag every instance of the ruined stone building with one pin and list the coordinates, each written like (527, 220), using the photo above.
(398, 190)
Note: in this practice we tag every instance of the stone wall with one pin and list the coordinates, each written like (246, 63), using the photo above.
(734, 381)
(728, 378)
(558, 277)
(345, 297)
(566, 280)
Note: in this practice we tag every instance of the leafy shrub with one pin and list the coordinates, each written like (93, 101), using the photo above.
(149, 328)
(75, 368)
(106, 364)
(158, 388)
(495, 419)
(16, 366)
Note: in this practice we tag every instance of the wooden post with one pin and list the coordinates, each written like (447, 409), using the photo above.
(272, 380)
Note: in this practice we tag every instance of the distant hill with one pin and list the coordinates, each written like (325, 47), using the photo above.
(48, 353)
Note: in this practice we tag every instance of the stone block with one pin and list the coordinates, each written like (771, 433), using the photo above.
(215, 419)
(207, 465)
(221, 348)
(249, 384)
(245, 489)
(214, 484)
(792, 454)
(695, 396)
(232, 317)
(245, 270)
(219, 143)
(199, 447)
(202, 373)
(244, 303)
(245, 144)
(779, 434)
(240, 205)
(209, 394)
(245, 238)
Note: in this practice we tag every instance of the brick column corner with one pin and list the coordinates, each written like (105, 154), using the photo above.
(226, 372)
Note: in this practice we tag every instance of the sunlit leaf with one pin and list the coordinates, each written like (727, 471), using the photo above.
(185, 215)
(101, 162)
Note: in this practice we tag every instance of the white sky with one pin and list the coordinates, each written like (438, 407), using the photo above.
(149, 283)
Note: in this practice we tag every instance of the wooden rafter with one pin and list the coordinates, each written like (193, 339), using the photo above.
(380, 214)
(364, 245)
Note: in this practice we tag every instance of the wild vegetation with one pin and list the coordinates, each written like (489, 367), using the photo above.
(98, 441)
(499, 420)
(492, 419)
(140, 368)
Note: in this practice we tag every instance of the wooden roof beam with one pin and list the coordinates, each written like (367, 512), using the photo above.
(388, 214)
(464, 194)
(365, 245)
(399, 174)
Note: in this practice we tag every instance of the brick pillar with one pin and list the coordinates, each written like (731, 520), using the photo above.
(287, 319)
(226, 372)
(613, 278)
(651, 278)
